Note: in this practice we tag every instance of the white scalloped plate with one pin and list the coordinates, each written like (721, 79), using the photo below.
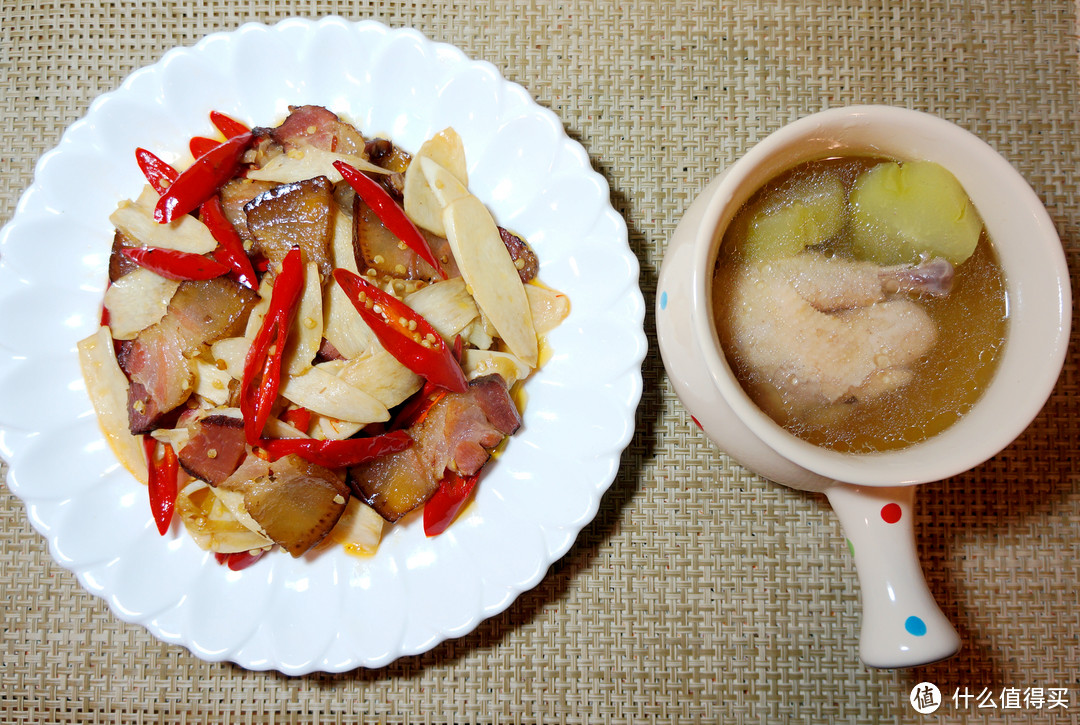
(327, 612)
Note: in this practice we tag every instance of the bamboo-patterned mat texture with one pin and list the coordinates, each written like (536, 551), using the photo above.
(699, 593)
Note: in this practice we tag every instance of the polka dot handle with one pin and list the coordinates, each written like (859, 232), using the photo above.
(902, 625)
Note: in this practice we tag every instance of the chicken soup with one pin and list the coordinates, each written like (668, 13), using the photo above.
(859, 302)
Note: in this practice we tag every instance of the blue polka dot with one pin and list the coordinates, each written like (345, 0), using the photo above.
(915, 626)
(663, 300)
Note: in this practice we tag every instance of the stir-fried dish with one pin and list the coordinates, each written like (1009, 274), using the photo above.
(308, 333)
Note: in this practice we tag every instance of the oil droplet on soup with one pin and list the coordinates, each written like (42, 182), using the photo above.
(845, 351)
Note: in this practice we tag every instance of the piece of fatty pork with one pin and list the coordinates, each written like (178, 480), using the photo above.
(296, 214)
(295, 502)
(215, 449)
(316, 127)
(458, 433)
(158, 361)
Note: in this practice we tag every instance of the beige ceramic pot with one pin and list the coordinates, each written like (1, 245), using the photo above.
(873, 494)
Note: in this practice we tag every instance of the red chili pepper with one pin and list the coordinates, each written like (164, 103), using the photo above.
(201, 145)
(229, 127)
(161, 482)
(389, 213)
(339, 453)
(159, 174)
(262, 366)
(449, 498)
(175, 264)
(417, 407)
(299, 418)
(405, 334)
(230, 249)
(238, 560)
(199, 181)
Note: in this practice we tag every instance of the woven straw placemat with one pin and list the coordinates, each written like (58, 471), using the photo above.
(700, 593)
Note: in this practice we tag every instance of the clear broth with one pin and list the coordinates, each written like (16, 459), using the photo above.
(948, 380)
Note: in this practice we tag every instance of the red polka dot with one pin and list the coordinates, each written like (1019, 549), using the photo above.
(891, 513)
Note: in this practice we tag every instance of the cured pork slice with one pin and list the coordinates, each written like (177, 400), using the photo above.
(320, 128)
(235, 194)
(119, 263)
(525, 259)
(300, 214)
(457, 433)
(380, 249)
(295, 502)
(215, 449)
(157, 362)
